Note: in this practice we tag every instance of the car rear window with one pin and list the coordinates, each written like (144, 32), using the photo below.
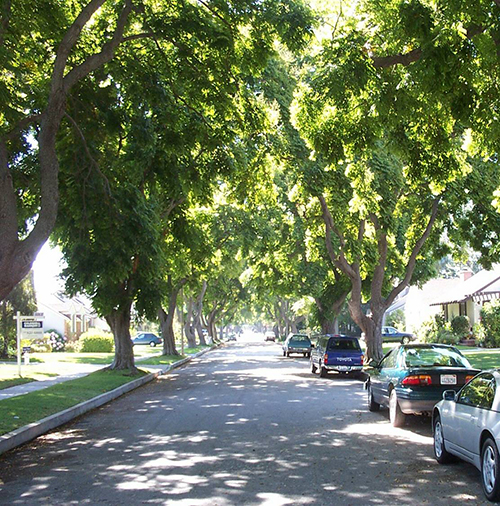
(343, 344)
(434, 357)
(300, 339)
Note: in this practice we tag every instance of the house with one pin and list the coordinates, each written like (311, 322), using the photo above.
(417, 303)
(467, 298)
(70, 317)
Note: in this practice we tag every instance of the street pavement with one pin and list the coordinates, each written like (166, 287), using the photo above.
(239, 425)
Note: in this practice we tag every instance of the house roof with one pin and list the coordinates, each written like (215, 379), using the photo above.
(485, 285)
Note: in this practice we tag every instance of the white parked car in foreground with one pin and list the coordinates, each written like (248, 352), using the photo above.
(467, 425)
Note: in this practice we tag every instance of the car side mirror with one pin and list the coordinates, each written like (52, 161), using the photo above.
(312, 345)
(450, 395)
(374, 363)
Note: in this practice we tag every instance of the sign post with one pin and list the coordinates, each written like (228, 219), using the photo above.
(28, 328)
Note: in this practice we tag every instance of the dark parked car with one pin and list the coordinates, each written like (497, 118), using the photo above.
(146, 338)
(336, 353)
(411, 379)
(297, 343)
(393, 335)
(467, 425)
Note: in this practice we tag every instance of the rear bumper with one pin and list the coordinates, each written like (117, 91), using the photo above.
(344, 368)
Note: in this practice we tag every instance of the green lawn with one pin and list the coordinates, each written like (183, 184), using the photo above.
(484, 358)
(18, 411)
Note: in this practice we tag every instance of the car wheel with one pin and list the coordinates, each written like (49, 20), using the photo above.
(288, 354)
(440, 452)
(372, 405)
(313, 367)
(152, 344)
(489, 470)
(322, 371)
(396, 416)
(284, 353)
(405, 340)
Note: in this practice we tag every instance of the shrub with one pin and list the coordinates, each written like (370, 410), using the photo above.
(39, 345)
(490, 320)
(96, 341)
(460, 325)
(73, 347)
(396, 319)
(429, 330)
(56, 341)
(479, 334)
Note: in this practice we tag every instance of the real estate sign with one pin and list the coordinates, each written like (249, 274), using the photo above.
(31, 329)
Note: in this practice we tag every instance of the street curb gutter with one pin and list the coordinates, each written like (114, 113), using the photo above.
(33, 430)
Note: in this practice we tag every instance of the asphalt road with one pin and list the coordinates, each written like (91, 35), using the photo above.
(239, 425)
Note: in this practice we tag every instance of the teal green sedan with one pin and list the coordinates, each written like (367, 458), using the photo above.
(411, 379)
(297, 343)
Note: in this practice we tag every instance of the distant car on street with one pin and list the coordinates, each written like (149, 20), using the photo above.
(297, 343)
(411, 379)
(146, 338)
(393, 335)
(336, 353)
(467, 425)
(270, 336)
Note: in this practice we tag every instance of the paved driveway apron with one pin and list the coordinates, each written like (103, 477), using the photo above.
(240, 425)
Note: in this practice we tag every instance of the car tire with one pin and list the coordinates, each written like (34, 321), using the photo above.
(396, 416)
(313, 367)
(323, 373)
(490, 471)
(372, 405)
(288, 354)
(405, 340)
(284, 353)
(152, 344)
(440, 452)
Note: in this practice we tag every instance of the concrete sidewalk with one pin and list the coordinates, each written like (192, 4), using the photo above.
(28, 432)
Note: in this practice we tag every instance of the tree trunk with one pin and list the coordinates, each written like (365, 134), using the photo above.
(198, 312)
(188, 325)
(119, 321)
(167, 319)
(167, 332)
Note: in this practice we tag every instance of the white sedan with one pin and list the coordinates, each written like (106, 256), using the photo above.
(467, 425)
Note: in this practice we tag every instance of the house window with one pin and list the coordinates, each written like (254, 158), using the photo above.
(462, 308)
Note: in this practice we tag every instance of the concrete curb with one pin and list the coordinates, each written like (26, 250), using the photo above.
(33, 430)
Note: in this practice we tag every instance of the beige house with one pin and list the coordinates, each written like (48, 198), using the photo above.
(467, 297)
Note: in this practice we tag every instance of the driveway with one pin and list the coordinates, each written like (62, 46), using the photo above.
(240, 425)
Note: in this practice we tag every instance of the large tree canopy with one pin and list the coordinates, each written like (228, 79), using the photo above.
(46, 55)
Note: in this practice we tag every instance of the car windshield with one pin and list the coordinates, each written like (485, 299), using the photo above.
(434, 357)
(343, 344)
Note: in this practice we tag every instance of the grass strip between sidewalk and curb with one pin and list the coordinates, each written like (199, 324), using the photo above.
(28, 408)
(28, 416)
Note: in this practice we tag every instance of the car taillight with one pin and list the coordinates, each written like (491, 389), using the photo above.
(325, 359)
(362, 359)
(420, 380)
(468, 377)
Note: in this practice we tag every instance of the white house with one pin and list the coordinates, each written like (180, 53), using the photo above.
(69, 317)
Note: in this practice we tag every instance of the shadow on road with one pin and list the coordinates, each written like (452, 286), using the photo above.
(241, 425)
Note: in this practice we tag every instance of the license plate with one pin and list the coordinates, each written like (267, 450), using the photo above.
(344, 368)
(448, 379)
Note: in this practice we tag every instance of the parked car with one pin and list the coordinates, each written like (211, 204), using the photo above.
(269, 336)
(411, 379)
(146, 338)
(336, 353)
(393, 335)
(297, 343)
(467, 425)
